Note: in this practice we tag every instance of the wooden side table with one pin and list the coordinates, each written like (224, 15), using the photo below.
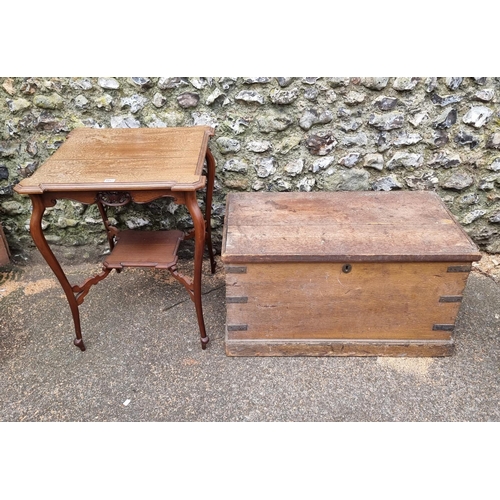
(113, 167)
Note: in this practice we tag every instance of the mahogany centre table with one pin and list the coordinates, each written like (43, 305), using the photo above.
(113, 167)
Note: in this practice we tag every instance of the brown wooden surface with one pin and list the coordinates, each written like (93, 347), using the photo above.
(307, 347)
(145, 249)
(118, 159)
(112, 167)
(4, 249)
(393, 301)
(342, 226)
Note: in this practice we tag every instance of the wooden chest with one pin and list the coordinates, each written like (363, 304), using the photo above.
(343, 274)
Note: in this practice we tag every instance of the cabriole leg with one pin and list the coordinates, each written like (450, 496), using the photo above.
(199, 247)
(208, 207)
(43, 247)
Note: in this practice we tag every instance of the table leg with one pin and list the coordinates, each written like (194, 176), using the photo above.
(208, 206)
(109, 233)
(44, 248)
(199, 248)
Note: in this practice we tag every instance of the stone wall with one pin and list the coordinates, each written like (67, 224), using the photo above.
(272, 134)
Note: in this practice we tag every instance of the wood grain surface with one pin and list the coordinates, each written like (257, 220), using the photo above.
(397, 301)
(343, 274)
(156, 249)
(332, 347)
(117, 159)
(342, 226)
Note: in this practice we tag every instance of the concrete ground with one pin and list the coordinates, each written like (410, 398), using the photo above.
(144, 363)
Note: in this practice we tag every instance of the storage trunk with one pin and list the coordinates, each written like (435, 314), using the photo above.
(343, 274)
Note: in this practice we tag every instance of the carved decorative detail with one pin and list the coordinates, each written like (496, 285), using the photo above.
(184, 280)
(81, 291)
(114, 198)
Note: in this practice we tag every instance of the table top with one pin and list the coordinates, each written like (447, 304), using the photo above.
(362, 226)
(124, 159)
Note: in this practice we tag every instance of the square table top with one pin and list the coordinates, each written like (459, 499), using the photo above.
(360, 226)
(122, 159)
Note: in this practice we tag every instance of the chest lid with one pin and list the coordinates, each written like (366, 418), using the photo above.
(365, 226)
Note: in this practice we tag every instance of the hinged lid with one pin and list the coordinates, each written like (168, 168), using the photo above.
(366, 226)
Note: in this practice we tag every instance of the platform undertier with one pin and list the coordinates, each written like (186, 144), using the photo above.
(156, 249)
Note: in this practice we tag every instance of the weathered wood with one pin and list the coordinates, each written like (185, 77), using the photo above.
(343, 226)
(318, 300)
(339, 274)
(307, 347)
(140, 159)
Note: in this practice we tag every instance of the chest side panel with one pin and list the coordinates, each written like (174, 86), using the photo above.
(393, 301)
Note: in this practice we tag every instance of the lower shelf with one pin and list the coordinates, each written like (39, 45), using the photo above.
(156, 249)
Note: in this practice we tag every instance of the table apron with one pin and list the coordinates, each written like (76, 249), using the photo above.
(91, 197)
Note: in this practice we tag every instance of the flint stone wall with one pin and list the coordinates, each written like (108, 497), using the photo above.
(272, 134)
